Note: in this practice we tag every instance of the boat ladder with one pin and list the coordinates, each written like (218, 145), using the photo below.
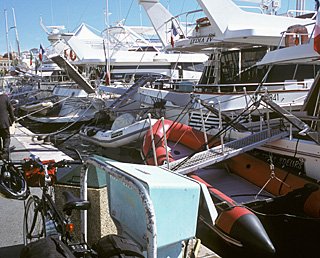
(130, 92)
(225, 151)
(73, 73)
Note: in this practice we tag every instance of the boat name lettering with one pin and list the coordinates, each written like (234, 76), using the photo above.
(292, 164)
(116, 134)
(206, 39)
(275, 97)
(288, 162)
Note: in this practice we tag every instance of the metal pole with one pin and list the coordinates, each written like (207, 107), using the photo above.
(152, 142)
(300, 6)
(108, 39)
(290, 125)
(220, 128)
(203, 128)
(7, 37)
(247, 103)
(165, 141)
(84, 195)
(268, 121)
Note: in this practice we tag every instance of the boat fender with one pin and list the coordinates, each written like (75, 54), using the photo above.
(72, 55)
(65, 52)
(297, 34)
(91, 132)
(203, 22)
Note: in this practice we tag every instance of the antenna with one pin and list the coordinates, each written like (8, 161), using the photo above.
(43, 26)
(15, 28)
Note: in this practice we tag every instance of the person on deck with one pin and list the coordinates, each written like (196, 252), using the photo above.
(6, 120)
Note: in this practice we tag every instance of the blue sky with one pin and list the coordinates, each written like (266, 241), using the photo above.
(71, 13)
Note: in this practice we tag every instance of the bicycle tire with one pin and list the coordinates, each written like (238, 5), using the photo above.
(33, 222)
(14, 186)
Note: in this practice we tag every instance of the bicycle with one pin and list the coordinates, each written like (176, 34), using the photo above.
(42, 218)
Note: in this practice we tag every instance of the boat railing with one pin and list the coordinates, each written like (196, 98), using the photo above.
(248, 7)
(241, 87)
(184, 18)
(55, 78)
(294, 12)
(192, 23)
(270, 129)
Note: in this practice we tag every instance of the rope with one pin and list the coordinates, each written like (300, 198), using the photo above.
(64, 129)
(286, 176)
(272, 176)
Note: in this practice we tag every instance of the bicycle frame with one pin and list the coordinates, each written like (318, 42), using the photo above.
(44, 208)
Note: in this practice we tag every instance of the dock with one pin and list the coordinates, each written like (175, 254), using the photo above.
(23, 143)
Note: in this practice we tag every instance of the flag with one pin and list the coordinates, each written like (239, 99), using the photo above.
(31, 57)
(41, 53)
(316, 44)
(174, 33)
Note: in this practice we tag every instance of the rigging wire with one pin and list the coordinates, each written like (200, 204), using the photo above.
(178, 118)
(125, 19)
(214, 137)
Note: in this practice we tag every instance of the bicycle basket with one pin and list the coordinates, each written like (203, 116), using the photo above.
(34, 173)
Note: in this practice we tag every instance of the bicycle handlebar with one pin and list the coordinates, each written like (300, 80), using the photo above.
(61, 163)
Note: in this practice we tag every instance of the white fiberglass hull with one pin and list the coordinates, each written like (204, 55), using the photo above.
(116, 138)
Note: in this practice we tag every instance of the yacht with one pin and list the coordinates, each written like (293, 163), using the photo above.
(127, 54)
(233, 77)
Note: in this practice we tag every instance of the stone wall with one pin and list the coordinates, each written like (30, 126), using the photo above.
(99, 220)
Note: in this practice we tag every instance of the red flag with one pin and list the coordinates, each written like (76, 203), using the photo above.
(107, 78)
(316, 44)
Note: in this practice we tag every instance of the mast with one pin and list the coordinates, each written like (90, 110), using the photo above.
(108, 75)
(15, 28)
(7, 37)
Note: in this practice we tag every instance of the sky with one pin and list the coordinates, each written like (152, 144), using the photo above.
(71, 13)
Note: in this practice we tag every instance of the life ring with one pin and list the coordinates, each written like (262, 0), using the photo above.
(203, 22)
(296, 34)
(72, 55)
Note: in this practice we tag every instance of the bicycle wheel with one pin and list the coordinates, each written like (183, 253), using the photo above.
(33, 223)
(12, 183)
